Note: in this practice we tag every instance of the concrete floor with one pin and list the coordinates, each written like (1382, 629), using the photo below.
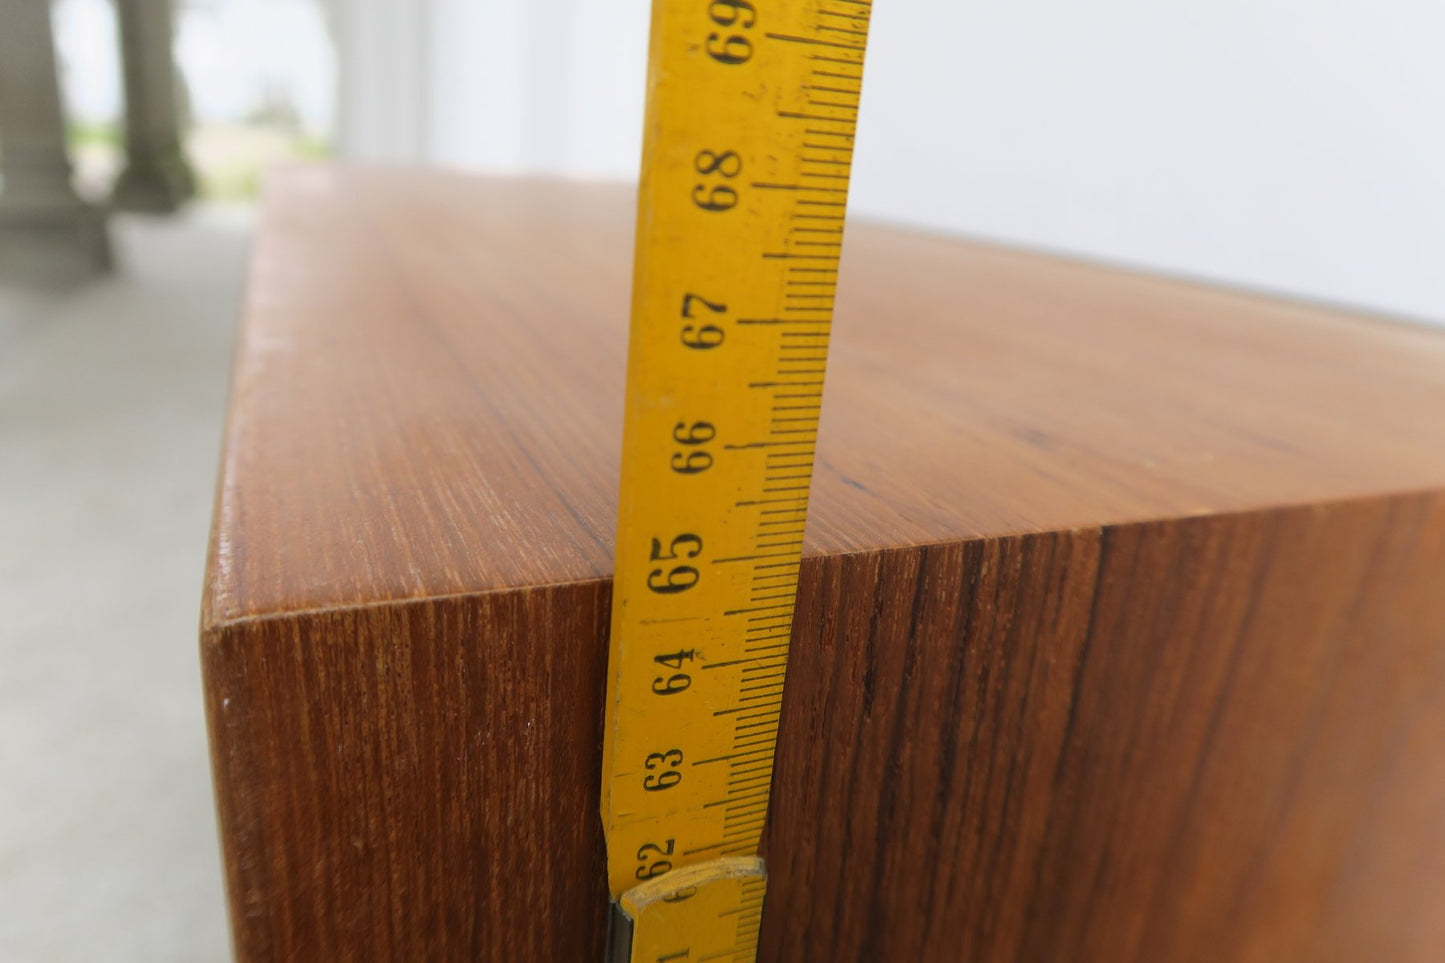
(111, 400)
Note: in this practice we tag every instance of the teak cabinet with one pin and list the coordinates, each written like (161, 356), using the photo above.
(1121, 633)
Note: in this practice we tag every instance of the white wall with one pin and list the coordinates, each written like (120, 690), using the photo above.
(1290, 145)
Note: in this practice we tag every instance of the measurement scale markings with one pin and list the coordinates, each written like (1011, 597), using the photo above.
(724, 802)
(740, 909)
(755, 648)
(844, 30)
(800, 187)
(761, 716)
(735, 755)
(745, 823)
(755, 744)
(799, 115)
(744, 767)
(766, 724)
(731, 662)
(744, 802)
(764, 684)
(752, 740)
(750, 558)
(765, 598)
(740, 804)
(760, 608)
(753, 824)
(764, 444)
(818, 41)
(756, 741)
(784, 321)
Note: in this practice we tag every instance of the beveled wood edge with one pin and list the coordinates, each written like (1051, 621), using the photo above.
(211, 627)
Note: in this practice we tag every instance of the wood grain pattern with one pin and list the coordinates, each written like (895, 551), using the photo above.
(1204, 739)
(399, 782)
(430, 375)
(1121, 631)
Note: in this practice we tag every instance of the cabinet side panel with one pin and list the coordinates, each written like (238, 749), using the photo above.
(928, 696)
(1207, 739)
(1255, 772)
(414, 782)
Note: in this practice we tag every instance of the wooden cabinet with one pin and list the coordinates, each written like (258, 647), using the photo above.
(1121, 633)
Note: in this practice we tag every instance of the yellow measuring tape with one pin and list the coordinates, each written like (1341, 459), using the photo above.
(748, 145)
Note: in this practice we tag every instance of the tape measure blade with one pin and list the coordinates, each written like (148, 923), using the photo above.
(747, 155)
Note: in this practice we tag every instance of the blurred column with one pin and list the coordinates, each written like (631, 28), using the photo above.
(157, 177)
(47, 233)
(384, 54)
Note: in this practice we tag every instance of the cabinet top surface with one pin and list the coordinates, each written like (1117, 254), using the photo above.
(427, 394)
